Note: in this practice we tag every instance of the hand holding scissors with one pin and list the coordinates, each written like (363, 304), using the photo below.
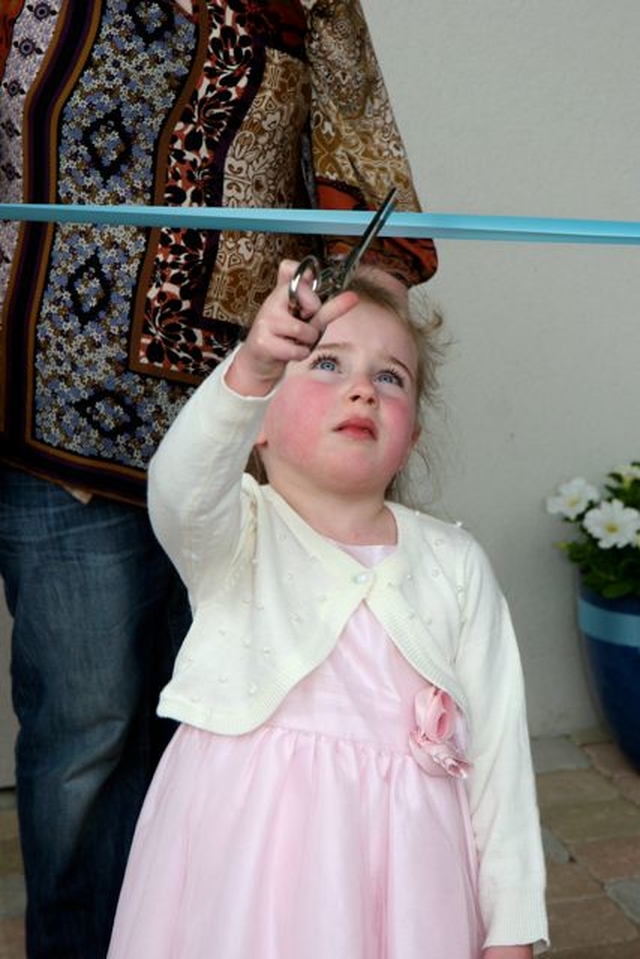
(329, 280)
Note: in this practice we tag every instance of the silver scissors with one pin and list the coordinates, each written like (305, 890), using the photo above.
(330, 280)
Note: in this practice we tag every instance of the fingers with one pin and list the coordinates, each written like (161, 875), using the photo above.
(302, 280)
(286, 270)
(277, 337)
(307, 303)
(310, 306)
(332, 309)
(337, 306)
(280, 336)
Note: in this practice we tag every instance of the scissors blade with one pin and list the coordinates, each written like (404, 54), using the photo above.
(352, 261)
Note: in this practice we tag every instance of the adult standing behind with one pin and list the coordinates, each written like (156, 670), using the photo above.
(105, 331)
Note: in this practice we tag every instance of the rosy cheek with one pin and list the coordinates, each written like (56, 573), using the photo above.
(306, 399)
(296, 412)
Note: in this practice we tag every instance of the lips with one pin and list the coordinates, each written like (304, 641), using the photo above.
(358, 427)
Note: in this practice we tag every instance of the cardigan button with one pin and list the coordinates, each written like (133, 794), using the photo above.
(363, 577)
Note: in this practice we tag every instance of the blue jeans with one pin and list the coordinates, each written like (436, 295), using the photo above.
(99, 613)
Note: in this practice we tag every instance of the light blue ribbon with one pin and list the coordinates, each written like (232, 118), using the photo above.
(334, 222)
(621, 629)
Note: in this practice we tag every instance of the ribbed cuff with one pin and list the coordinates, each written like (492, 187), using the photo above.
(516, 916)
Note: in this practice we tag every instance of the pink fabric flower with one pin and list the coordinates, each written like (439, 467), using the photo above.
(432, 743)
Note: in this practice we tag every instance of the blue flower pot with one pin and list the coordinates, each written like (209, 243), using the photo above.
(611, 629)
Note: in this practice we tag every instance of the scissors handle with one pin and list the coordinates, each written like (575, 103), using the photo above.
(332, 279)
(310, 264)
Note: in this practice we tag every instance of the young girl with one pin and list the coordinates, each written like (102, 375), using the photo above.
(352, 777)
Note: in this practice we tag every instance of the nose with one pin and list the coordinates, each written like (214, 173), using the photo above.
(362, 389)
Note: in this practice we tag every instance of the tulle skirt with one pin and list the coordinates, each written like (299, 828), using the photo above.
(318, 836)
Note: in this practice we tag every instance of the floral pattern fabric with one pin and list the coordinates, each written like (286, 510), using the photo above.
(106, 329)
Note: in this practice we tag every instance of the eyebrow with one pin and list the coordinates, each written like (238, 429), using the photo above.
(348, 346)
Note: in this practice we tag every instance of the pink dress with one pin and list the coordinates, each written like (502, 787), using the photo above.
(332, 832)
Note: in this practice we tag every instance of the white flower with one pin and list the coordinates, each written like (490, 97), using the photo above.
(572, 498)
(628, 472)
(613, 524)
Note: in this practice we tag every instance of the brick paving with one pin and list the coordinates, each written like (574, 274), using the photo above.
(590, 813)
(589, 799)
(12, 898)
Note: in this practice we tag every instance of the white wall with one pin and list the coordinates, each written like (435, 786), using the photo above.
(527, 109)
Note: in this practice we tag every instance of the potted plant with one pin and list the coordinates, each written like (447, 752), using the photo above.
(606, 551)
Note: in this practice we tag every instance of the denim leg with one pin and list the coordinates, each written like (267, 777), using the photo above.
(98, 615)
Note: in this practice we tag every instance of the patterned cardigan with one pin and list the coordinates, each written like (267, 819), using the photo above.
(105, 330)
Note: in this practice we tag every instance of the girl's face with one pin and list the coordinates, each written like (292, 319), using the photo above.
(345, 419)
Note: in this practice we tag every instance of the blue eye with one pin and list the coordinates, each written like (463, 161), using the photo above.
(327, 363)
(390, 376)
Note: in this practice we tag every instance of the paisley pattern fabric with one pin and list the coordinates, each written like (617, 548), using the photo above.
(105, 329)
(222, 153)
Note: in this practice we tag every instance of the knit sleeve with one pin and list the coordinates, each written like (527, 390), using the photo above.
(501, 786)
(195, 491)
(358, 153)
